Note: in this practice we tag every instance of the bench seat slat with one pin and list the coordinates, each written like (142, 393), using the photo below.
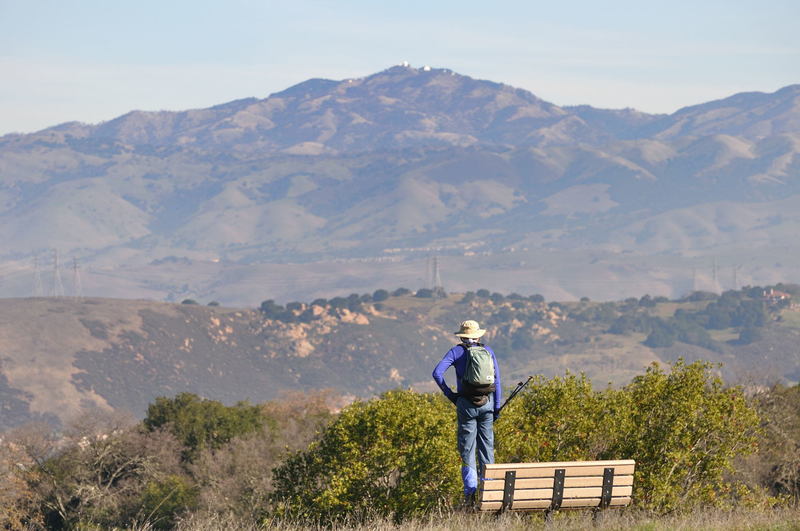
(544, 483)
(547, 494)
(548, 471)
(573, 503)
(561, 464)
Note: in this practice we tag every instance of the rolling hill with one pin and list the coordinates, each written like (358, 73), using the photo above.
(59, 356)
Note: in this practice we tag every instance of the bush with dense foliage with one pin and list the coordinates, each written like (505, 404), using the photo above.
(392, 456)
(683, 427)
(199, 423)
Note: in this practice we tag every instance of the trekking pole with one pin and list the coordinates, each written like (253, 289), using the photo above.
(520, 386)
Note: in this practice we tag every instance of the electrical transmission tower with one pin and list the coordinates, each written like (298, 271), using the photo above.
(715, 286)
(58, 286)
(38, 291)
(77, 287)
(735, 272)
(437, 279)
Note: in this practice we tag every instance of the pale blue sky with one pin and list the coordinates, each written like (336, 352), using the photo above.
(92, 60)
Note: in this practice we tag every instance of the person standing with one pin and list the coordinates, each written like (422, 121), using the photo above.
(477, 400)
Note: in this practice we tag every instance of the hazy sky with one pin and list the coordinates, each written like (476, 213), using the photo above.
(92, 60)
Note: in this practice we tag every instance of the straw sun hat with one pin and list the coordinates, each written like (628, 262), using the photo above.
(470, 329)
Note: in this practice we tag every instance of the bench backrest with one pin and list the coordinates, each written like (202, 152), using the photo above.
(560, 485)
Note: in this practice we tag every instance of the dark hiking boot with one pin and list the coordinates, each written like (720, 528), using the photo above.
(468, 505)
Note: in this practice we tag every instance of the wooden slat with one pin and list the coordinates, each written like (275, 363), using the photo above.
(560, 464)
(542, 505)
(543, 483)
(541, 494)
(549, 471)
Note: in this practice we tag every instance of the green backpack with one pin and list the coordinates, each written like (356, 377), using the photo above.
(480, 367)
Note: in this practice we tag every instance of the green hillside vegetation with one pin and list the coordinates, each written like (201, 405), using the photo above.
(526, 328)
(301, 461)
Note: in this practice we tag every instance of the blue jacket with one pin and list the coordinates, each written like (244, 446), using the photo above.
(456, 356)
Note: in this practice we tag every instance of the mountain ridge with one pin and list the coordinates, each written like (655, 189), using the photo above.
(390, 168)
(321, 87)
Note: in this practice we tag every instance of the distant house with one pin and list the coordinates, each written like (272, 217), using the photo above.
(773, 296)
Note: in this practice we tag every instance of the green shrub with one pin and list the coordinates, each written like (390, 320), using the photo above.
(560, 419)
(162, 501)
(392, 456)
(683, 428)
(684, 431)
(200, 423)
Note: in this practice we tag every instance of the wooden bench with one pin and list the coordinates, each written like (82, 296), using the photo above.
(552, 486)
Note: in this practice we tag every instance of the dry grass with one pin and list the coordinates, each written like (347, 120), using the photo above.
(710, 519)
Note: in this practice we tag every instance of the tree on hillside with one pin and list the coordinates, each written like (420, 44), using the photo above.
(467, 298)
(647, 302)
(200, 423)
(660, 338)
(749, 335)
(270, 309)
(750, 314)
(380, 295)
(697, 296)
(338, 302)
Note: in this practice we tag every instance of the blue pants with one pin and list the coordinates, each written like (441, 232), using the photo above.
(475, 432)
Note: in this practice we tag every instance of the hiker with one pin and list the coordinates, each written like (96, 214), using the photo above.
(477, 401)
